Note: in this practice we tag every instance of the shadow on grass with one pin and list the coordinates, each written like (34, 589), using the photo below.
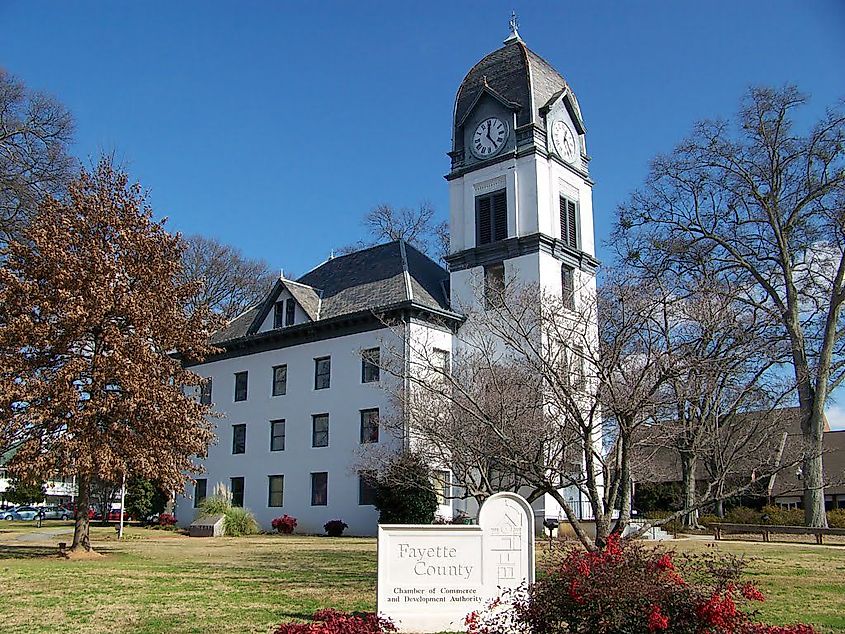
(287, 617)
(26, 552)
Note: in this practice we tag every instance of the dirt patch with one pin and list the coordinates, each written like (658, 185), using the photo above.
(80, 554)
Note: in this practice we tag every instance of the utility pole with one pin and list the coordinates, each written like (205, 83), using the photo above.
(122, 506)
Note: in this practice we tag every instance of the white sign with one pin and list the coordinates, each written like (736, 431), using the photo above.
(431, 576)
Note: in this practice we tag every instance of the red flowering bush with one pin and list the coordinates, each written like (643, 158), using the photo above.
(334, 622)
(629, 587)
(284, 524)
(166, 519)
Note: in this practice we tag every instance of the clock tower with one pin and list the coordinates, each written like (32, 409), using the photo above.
(519, 186)
(520, 196)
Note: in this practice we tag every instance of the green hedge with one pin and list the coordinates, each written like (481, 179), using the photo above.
(772, 515)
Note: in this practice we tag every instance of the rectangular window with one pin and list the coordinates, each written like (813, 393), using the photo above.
(494, 285)
(322, 373)
(205, 392)
(319, 489)
(236, 486)
(278, 314)
(568, 222)
(241, 379)
(239, 438)
(441, 360)
(200, 491)
(320, 430)
(276, 488)
(280, 380)
(578, 368)
(567, 276)
(442, 487)
(366, 488)
(290, 311)
(370, 366)
(369, 426)
(491, 217)
(277, 435)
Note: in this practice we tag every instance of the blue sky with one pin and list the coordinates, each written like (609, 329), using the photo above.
(275, 126)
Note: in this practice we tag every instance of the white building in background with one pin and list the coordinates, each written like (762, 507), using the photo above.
(56, 490)
(301, 403)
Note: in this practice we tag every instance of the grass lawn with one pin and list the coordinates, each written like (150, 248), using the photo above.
(163, 582)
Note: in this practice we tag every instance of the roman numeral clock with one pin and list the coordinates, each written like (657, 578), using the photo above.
(489, 137)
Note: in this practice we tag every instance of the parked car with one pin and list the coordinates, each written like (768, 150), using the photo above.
(57, 513)
(72, 511)
(24, 513)
(8, 513)
(114, 516)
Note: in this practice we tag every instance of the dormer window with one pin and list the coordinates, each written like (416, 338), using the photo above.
(491, 217)
(284, 313)
(290, 311)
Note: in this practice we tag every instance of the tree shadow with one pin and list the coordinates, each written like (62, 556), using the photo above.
(26, 551)
(298, 616)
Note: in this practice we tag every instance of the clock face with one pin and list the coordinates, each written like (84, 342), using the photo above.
(489, 137)
(564, 141)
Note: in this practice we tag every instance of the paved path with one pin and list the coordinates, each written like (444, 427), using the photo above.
(44, 534)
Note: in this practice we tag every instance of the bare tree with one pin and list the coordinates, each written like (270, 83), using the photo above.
(385, 223)
(721, 371)
(35, 132)
(764, 204)
(230, 282)
(534, 396)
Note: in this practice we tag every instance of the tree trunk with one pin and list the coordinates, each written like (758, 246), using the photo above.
(626, 489)
(811, 404)
(720, 508)
(688, 464)
(812, 470)
(81, 533)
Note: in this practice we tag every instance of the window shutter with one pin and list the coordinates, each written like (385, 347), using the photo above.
(568, 222)
(482, 220)
(573, 235)
(564, 221)
(500, 216)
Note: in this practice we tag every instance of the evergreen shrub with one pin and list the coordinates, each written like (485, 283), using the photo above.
(335, 528)
(404, 492)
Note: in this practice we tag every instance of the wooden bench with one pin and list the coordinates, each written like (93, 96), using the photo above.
(767, 529)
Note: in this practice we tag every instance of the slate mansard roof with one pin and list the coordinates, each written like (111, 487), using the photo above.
(517, 75)
(384, 277)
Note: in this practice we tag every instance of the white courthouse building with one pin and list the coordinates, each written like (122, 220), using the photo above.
(300, 402)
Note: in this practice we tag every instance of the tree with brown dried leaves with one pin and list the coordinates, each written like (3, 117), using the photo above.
(92, 321)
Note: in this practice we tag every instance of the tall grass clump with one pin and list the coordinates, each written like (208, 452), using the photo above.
(238, 521)
(215, 505)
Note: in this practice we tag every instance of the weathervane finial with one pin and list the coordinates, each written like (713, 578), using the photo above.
(513, 25)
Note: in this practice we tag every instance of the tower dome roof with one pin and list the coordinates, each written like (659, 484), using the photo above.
(516, 74)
